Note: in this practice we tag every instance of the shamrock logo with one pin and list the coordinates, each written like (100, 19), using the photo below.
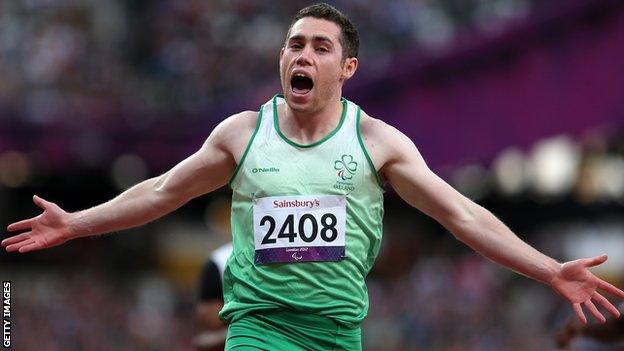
(346, 167)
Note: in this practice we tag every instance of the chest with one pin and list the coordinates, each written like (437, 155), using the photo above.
(276, 169)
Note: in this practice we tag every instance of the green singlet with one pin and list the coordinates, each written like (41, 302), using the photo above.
(306, 229)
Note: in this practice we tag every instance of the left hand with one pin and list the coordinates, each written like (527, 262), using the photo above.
(578, 285)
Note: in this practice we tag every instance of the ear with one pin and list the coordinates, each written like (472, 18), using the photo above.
(281, 54)
(348, 68)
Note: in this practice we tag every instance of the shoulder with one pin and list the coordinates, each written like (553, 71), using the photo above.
(377, 129)
(240, 123)
(233, 133)
(384, 142)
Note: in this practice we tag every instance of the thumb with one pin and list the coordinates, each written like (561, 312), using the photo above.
(594, 261)
(40, 202)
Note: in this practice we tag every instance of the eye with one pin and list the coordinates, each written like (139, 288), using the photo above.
(295, 46)
(322, 49)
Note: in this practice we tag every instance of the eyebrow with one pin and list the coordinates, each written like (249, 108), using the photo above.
(317, 38)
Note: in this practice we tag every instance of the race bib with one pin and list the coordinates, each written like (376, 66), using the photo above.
(299, 228)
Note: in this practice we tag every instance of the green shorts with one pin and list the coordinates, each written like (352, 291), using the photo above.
(290, 331)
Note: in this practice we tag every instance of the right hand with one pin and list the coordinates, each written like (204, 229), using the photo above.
(575, 282)
(46, 230)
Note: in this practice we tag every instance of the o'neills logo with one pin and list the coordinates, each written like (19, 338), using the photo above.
(264, 170)
(296, 203)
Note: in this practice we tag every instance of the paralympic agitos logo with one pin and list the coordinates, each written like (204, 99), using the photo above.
(346, 167)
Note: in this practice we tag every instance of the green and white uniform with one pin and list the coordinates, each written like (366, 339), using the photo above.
(306, 223)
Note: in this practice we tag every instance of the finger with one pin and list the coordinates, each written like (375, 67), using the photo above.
(592, 308)
(611, 289)
(15, 239)
(40, 202)
(21, 225)
(17, 246)
(606, 304)
(29, 247)
(579, 312)
(594, 261)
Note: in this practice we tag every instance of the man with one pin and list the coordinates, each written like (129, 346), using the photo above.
(306, 173)
(210, 301)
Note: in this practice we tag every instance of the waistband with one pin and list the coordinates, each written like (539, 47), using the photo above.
(308, 320)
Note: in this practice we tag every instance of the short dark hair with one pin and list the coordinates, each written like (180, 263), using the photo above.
(349, 38)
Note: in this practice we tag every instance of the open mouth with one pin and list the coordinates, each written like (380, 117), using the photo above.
(301, 84)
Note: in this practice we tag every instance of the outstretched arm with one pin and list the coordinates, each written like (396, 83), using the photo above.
(206, 170)
(477, 227)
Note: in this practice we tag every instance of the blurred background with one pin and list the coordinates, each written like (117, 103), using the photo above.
(517, 103)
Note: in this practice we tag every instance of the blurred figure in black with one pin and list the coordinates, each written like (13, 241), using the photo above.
(575, 336)
(212, 330)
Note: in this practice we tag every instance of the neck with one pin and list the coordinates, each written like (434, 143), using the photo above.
(308, 127)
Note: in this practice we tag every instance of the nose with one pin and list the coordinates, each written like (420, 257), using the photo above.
(304, 57)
